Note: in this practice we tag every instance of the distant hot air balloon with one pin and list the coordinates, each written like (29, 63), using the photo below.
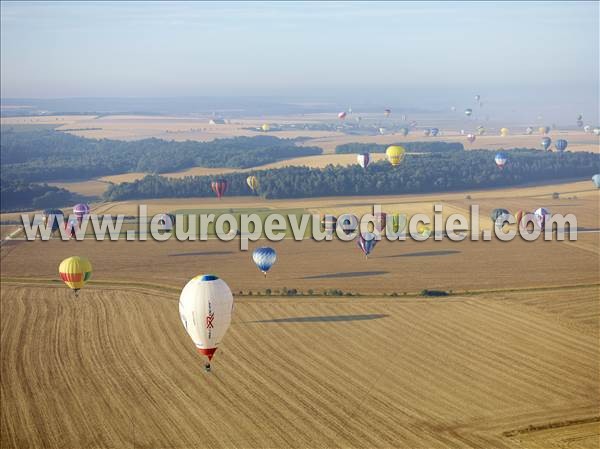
(423, 230)
(52, 216)
(468, 112)
(504, 132)
(434, 131)
(166, 222)
(499, 216)
(519, 216)
(363, 160)
(348, 222)
(71, 226)
(366, 242)
(580, 117)
(587, 128)
(453, 108)
(252, 182)
(477, 98)
(329, 223)
(382, 131)
(542, 215)
(596, 131)
(480, 130)
(501, 159)
(219, 187)
(544, 129)
(387, 112)
(398, 223)
(342, 115)
(471, 138)
(395, 154)
(265, 127)
(561, 145)
(75, 272)
(525, 219)
(380, 220)
(596, 180)
(80, 211)
(403, 131)
(529, 130)
(205, 308)
(427, 132)
(546, 142)
(264, 257)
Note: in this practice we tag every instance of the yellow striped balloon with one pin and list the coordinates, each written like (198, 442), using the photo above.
(252, 182)
(75, 272)
(395, 154)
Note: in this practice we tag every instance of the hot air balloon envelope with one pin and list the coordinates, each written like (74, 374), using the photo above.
(75, 272)
(264, 258)
(561, 145)
(395, 154)
(501, 159)
(219, 187)
(205, 308)
(363, 159)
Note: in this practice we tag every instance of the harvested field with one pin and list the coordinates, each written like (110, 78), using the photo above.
(116, 369)
(399, 267)
(90, 188)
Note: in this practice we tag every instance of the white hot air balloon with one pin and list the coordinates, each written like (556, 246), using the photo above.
(205, 308)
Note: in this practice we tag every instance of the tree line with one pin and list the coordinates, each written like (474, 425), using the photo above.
(422, 173)
(48, 155)
(18, 195)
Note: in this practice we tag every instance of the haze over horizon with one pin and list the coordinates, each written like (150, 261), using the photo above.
(534, 55)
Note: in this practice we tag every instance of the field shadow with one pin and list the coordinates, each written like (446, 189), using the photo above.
(446, 252)
(324, 319)
(349, 274)
(201, 253)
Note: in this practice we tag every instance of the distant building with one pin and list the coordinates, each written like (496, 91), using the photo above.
(217, 121)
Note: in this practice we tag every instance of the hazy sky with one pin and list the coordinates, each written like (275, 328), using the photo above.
(68, 49)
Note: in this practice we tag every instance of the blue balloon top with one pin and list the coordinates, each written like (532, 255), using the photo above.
(209, 277)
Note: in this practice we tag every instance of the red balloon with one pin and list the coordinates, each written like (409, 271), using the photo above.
(219, 187)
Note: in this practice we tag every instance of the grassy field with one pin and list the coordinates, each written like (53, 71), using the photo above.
(116, 369)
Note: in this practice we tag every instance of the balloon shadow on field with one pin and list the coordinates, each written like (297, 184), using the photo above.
(324, 319)
(446, 252)
(350, 274)
(201, 253)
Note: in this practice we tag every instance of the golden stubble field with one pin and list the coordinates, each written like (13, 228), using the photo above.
(509, 361)
(308, 265)
(115, 369)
